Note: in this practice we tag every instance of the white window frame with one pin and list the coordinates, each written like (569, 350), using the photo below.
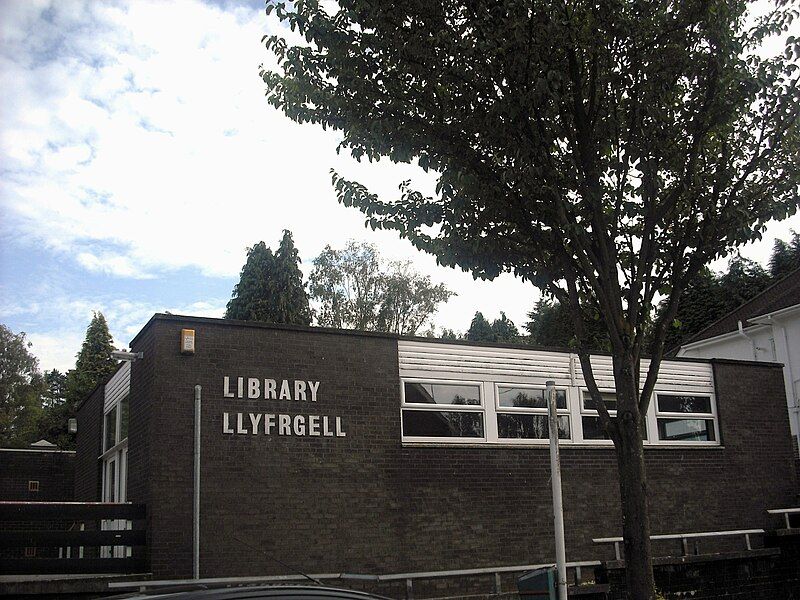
(575, 411)
(560, 412)
(658, 414)
(479, 408)
(588, 412)
(119, 443)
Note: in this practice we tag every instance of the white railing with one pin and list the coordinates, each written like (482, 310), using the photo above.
(408, 577)
(684, 538)
(785, 512)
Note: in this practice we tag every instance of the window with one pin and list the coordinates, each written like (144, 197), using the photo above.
(522, 413)
(685, 418)
(590, 418)
(442, 410)
(123, 418)
(110, 429)
(506, 413)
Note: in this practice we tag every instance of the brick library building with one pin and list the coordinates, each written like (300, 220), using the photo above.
(329, 451)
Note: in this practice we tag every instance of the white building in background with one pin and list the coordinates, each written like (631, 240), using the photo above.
(767, 328)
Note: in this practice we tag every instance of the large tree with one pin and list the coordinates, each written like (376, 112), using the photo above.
(355, 289)
(551, 324)
(93, 362)
(271, 287)
(21, 386)
(604, 151)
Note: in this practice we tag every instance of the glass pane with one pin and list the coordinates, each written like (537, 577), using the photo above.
(592, 430)
(527, 398)
(111, 429)
(529, 427)
(692, 430)
(123, 418)
(441, 393)
(428, 423)
(609, 398)
(684, 404)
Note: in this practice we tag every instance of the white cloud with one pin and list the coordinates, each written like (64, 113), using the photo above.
(57, 346)
(136, 140)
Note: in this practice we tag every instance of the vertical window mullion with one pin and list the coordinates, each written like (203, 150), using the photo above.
(491, 397)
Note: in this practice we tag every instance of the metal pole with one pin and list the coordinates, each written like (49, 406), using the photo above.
(558, 507)
(196, 525)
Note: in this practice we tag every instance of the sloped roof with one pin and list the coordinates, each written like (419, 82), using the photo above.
(782, 294)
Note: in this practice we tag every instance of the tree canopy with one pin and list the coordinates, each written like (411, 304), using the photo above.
(354, 289)
(605, 151)
(21, 386)
(93, 362)
(500, 330)
(271, 287)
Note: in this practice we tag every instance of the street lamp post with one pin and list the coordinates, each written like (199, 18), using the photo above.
(558, 506)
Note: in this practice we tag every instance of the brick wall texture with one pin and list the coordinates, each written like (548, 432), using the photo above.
(88, 446)
(55, 472)
(364, 503)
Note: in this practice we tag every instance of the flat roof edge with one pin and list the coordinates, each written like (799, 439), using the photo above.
(393, 336)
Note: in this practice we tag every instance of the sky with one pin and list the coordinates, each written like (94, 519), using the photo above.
(139, 159)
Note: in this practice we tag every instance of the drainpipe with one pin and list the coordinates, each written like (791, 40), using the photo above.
(196, 516)
(747, 337)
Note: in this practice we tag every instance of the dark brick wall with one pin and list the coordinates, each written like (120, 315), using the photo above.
(55, 472)
(88, 444)
(365, 503)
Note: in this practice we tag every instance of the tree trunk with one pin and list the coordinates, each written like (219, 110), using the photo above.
(633, 486)
(635, 516)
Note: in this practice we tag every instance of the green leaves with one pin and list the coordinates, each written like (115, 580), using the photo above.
(354, 289)
(271, 287)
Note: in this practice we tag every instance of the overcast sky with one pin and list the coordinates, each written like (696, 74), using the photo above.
(139, 159)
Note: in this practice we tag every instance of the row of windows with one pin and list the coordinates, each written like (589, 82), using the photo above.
(457, 412)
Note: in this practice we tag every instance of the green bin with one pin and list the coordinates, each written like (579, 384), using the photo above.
(539, 583)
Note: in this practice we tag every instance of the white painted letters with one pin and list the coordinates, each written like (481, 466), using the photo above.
(226, 387)
(313, 386)
(255, 419)
(226, 426)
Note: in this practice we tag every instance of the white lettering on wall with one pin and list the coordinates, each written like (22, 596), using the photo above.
(299, 425)
(226, 426)
(313, 386)
(291, 425)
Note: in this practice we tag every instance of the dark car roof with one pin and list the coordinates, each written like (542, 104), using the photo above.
(273, 592)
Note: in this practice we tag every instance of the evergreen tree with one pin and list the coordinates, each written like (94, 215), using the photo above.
(291, 299)
(701, 304)
(94, 363)
(504, 329)
(271, 287)
(56, 411)
(21, 385)
(480, 330)
(551, 324)
(744, 280)
(785, 257)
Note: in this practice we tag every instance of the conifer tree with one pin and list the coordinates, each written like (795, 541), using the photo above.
(94, 362)
(480, 330)
(291, 299)
(504, 329)
(785, 257)
(271, 287)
